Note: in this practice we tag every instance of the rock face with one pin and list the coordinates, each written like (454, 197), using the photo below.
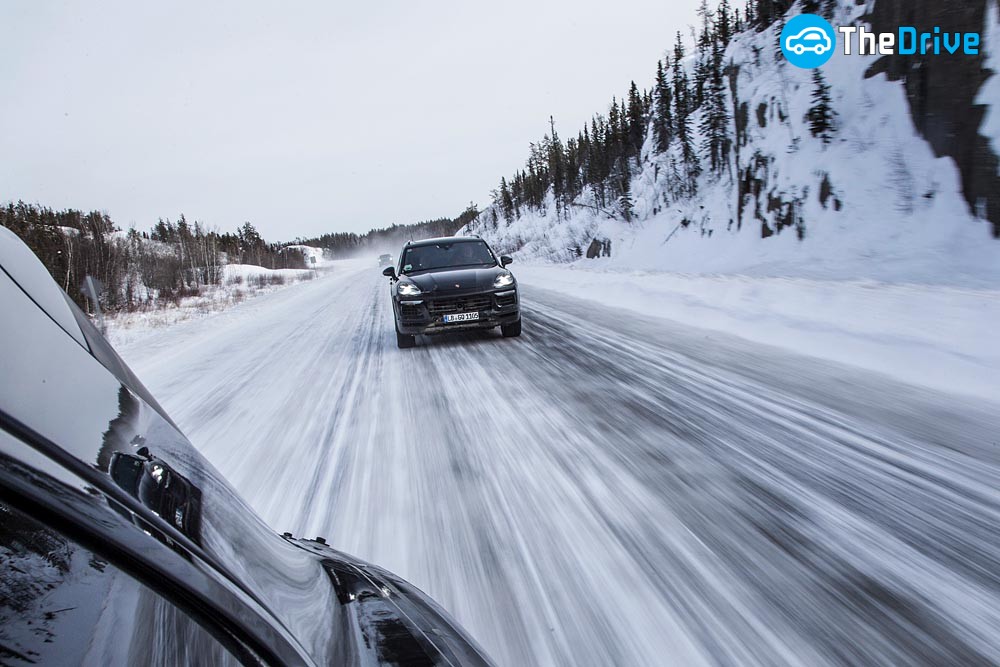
(942, 91)
(599, 248)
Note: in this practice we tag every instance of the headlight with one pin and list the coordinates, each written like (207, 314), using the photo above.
(505, 279)
(407, 289)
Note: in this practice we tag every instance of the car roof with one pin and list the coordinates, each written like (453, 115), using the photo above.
(441, 239)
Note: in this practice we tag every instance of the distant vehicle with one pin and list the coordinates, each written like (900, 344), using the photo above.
(385, 260)
(811, 39)
(122, 545)
(452, 284)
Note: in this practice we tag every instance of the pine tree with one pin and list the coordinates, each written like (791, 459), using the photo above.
(613, 136)
(821, 115)
(506, 201)
(703, 46)
(636, 122)
(764, 12)
(715, 120)
(571, 178)
(682, 110)
(557, 167)
(723, 25)
(705, 36)
(779, 54)
(662, 118)
(688, 154)
(680, 82)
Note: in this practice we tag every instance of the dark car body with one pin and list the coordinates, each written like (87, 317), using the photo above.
(121, 544)
(160, 488)
(446, 297)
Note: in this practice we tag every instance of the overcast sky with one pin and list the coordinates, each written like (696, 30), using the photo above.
(303, 117)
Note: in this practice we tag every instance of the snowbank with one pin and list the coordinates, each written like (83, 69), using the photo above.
(938, 337)
(239, 283)
(314, 256)
(234, 272)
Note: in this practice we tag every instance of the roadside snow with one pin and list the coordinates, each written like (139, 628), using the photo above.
(233, 272)
(239, 283)
(934, 336)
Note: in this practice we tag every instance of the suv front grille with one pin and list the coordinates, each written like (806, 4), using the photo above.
(460, 304)
(410, 311)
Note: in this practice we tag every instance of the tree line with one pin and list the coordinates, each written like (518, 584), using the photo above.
(388, 239)
(172, 260)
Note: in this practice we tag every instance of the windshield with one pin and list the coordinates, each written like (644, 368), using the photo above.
(447, 255)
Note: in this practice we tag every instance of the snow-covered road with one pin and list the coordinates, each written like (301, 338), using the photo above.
(607, 489)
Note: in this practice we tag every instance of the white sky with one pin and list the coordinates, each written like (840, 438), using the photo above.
(303, 117)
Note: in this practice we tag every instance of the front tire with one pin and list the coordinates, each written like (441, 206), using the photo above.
(404, 341)
(512, 330)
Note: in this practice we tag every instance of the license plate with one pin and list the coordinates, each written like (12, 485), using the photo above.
(460, 317)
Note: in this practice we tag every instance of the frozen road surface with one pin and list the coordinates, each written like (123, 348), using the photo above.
(606, 489)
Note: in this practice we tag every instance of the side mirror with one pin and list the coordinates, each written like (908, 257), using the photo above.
(505, 260)
(389, 272)
(143, 452)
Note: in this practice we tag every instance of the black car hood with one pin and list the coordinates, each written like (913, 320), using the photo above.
(455, 280)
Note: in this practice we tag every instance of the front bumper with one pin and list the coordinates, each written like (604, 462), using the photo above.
(425, 314)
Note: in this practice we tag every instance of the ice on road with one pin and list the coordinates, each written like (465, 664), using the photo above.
(606, 489)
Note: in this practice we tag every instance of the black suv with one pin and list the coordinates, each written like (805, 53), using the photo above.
(121, 545)
(451, 284)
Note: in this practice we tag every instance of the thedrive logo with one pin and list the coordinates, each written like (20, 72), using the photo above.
(808, 41)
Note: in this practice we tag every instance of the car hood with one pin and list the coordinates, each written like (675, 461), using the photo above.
(456, 280)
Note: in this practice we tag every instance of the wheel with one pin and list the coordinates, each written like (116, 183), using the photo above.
(512, 330)
(799, 49)
(404, 341)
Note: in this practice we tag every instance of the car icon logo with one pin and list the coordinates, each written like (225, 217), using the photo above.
(808, 41)
(811, 39)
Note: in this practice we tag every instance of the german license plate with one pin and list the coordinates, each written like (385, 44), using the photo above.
(460, 317)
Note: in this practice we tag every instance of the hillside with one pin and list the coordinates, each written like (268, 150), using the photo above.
(743, 182)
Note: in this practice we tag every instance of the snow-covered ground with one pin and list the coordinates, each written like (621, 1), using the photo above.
(610, 488)
(935, 336)
(239, 283)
